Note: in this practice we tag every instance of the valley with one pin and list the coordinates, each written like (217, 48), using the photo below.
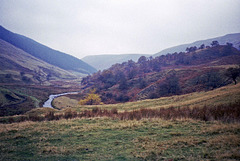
(177, 106)
(27, 78)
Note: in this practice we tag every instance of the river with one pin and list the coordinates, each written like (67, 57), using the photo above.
(48, 103)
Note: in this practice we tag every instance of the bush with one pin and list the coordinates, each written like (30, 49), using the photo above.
(91, 99)
(50, 116)
(122, 98)
(35, 117)
(69, 114)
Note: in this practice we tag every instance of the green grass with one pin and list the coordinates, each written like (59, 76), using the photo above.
(107, 139)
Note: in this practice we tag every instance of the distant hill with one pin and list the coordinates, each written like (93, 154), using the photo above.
(17, 66)
(45, 53)
(101, 62)
(231, 38)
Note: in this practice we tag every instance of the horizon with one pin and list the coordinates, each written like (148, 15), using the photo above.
(124, 53)
(81, 28)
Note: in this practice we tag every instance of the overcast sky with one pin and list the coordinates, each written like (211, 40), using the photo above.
(92, 27)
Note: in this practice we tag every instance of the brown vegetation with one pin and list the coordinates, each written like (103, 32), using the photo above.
(172, 74)
(230, 113)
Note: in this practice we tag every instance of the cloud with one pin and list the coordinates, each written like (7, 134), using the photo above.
(80, 27)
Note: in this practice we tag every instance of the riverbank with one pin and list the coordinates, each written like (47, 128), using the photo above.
(48, 103)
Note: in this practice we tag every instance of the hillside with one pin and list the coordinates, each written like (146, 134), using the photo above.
(101, 62)
(45, 53)
(26, 81)
(20, 67)
(226, 95)
(166, 75)
(231, 38)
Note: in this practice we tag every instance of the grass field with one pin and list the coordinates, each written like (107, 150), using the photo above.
(107, 139)
(110, 138)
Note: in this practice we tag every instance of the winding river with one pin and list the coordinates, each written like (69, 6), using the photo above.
(48, 103)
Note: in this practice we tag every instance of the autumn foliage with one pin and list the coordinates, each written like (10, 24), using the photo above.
(198, 69)
(91, 99)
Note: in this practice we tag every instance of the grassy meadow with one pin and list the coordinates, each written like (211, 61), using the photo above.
(108, 139)
(92, 136)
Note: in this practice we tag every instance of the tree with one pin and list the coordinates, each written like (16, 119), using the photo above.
(142, 83)
(132, 73)
(213, 80)
(214, 43)
(227, 49)
(107, 78)
(155, 65)
(91, 99)
(233, 73)
(142, 60)
(170, 86)
(229, 44)
(191, 49)
(123, 83)
(202, 46)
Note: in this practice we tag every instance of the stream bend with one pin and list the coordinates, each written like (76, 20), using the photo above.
(48, 103)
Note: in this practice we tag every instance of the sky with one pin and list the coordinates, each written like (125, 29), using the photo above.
(93, 27)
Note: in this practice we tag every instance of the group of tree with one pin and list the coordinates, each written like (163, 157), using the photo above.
(213, 44)
(122, 82)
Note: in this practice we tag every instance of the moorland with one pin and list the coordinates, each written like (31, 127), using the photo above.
(178, 106)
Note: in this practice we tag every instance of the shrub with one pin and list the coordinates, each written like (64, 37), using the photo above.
(91, 99)
(35, 117)
(69, 114)
(50, 116)
(114, 111)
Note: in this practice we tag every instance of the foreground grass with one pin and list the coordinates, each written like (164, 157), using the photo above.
(108, 139)
(112, 138)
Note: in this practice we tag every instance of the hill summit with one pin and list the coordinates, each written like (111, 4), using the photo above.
(230, 38)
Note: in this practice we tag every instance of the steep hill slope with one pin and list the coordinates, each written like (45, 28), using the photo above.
(231, 38)
(45, 53)
(26, 81)
(101, 62)
(20, 67)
